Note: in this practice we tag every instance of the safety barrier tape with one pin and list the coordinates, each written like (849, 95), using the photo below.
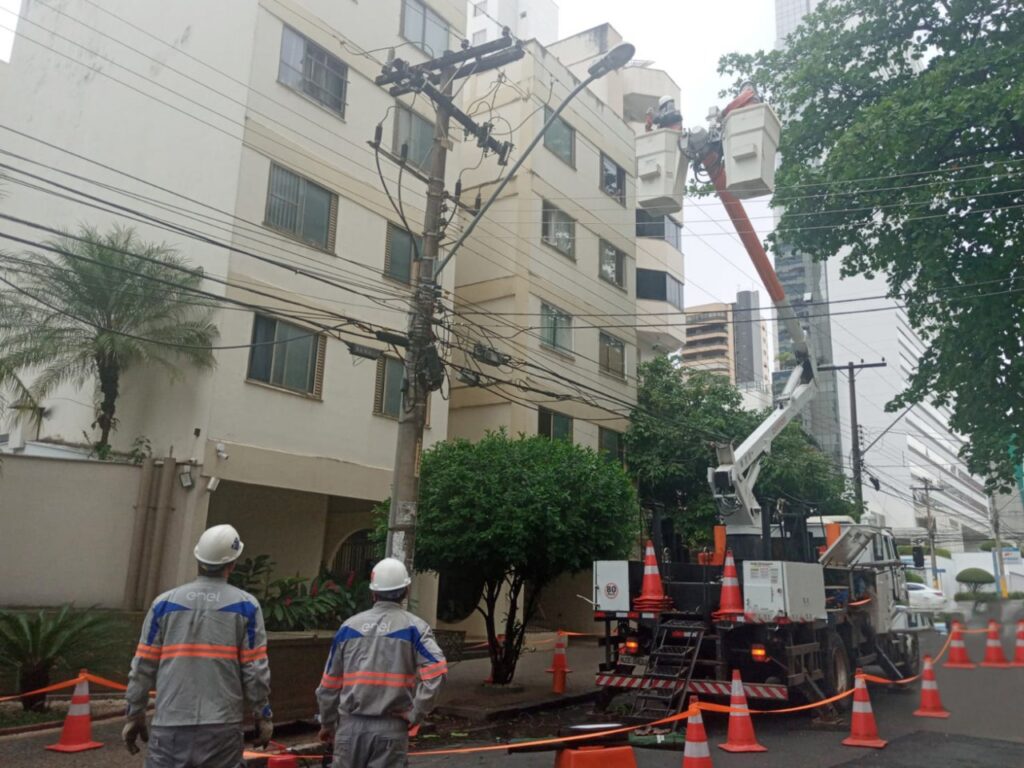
(85, 676)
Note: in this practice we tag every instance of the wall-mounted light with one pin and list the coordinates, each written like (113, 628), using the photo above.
(212, 485)
(185, 478)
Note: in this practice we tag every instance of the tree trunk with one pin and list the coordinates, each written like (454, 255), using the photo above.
(32, 679)
(109, 375)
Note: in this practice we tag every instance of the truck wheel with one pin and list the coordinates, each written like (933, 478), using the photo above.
(913, 665)
(838, 670)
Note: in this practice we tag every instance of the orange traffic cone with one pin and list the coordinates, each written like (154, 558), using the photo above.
(1018, 653)
(740, 737)
(652, 594)
(731, 603)
(696, 753)
(958, 658)
(863, 730)
(76, 736)
(559, 664)
(994, 648)
(931, 702)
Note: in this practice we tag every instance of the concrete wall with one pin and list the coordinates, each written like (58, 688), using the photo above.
(65, 531)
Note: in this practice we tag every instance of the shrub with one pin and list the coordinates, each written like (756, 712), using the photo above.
(976, 597)
(914, 577)
(974, 579)
(907, 549)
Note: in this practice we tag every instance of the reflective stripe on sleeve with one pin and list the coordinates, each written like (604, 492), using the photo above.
(431, 671)
(254, 654)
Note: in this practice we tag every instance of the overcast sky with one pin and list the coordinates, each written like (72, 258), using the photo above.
(686, 39)
(8, 17)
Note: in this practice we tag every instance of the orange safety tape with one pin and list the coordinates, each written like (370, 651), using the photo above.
(979, 631)
(865, 601)
(710, 707)
(104, 682)
(47, 689)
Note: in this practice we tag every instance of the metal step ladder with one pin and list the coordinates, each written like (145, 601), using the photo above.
(670, 666)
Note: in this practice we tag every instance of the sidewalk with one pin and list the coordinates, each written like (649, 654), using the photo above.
(465, 694)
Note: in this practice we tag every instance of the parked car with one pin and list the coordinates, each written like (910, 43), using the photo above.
(924, 598)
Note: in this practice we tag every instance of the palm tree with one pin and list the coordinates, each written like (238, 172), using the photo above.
(104, 303)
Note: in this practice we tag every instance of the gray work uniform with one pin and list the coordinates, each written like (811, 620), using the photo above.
(204, 649)
(383, 674)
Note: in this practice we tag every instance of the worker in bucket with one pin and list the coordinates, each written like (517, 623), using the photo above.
(667, 115)
(384, 673)
(204, 650)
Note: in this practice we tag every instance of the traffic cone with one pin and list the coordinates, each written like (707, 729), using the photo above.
(652, 594)
(994, 648)
(1018, 653)
(731, 603)
(863, 730)
(958, 658)
(76, 735)
(931, 702)
(740, 737)
(559, 664)
(696, 753)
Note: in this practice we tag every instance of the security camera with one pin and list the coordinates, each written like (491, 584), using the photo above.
(213, 484)
(222, 451)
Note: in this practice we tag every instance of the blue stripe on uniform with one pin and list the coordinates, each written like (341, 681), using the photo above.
(412, 635)
(160, 610)
(248, 610)
(343, 634)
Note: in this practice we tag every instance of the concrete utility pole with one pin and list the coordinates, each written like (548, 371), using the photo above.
(855, 453)
(931, 528)
(998, 550)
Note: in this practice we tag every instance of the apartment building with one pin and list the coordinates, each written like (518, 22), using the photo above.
(525, 19)
(709, 343)
(237, 135)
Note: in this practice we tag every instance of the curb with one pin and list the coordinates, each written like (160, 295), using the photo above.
(478, 714)
(52, 725)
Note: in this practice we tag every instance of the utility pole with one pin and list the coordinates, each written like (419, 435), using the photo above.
(998, 550)
(855, 453)
(931, 528)
(424, 371)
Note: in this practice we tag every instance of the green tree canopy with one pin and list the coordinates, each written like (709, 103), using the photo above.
(902, 150)
(106, 302)
(517, 513)
(975, 578)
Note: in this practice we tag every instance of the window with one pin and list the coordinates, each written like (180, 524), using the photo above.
(480, 37)
(555, 425)
(558, 229)
(658, 226)
(555, 327)
(613, 179)
(612, 264)
(479, 9)
(399, 253)
(301, 208)
(612, 355)
(560, 138)
(673, 291)
(424, 28)
(417, 134)
(610, 443)
(309, 69)
(287, 356)
(388, 394)
(656, 285)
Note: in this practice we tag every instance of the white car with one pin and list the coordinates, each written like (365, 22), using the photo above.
(924, 598)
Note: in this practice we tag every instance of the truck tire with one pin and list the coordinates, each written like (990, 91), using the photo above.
(838, 670)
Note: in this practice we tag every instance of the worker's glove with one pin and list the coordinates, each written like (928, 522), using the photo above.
(326, 735)
(134, 729)
(264, 727)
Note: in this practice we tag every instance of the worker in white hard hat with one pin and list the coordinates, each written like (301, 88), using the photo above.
(204, 649)
(383, 675)
(667, 116)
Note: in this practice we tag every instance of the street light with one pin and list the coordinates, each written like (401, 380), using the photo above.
(616, 58)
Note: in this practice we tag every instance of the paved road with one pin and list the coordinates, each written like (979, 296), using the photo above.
(986, 730)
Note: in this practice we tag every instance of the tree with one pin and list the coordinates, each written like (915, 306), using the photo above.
(974, 579)
(901, 150)
(107, 302)
(517, 513)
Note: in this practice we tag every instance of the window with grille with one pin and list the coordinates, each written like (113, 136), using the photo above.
(555, 327)
(612, 264)
(612, 355)
(555, 425)
(613, 179)
(298, 207)
(424, 28)
(558, 229)
(400, 253)
(287, 356)
(312, 71)
(416, 134)
(611, 444)
(560, 138)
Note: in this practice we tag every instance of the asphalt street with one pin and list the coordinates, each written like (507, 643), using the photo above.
(986, 729)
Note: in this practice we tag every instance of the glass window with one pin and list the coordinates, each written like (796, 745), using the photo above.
(610, 443)
(309, 69)
(612, 355)
(558, 229)
(423, 27)
(389, 395)
(555, 425)
(417, 134)
(658, 226)
(673, 291)
(560, 138)
(480, 37)
(613, 179)
(555, 327)
(656, 285)
(299, 207)
(401, 250)
(612, 264)
(284, 355)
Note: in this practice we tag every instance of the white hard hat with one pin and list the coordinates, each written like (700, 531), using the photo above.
(665, 100)
(218, 545)
(388, 575)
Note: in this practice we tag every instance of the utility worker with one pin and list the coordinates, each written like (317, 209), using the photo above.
(204, 649)
(667, 115)
(383, 675)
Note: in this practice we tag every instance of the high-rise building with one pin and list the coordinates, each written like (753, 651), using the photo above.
(525, 19)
